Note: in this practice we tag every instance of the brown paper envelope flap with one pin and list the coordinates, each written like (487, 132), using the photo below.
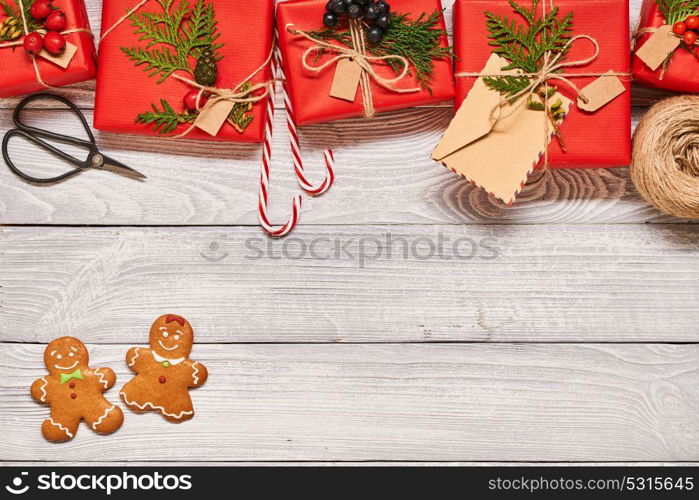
(658, 47)
(346, 80)
(477, 114)
(213, 116)
(501, 161)
(62, 60)
(600, 92)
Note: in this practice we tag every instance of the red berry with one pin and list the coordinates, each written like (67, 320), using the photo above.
(689, 38)
(33, 43)
(190, 100)
(55, 43)
(56, 21)
(692, 22)
(162, 379)
(679, 28)
(41, 9)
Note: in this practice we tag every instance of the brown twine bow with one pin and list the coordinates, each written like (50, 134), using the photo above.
(25, 28)
(356, 53)
(234, 95)
(549, 71)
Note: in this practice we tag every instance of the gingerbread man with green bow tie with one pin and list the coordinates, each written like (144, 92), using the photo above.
(74, 392)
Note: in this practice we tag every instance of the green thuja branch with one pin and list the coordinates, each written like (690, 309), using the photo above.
(165, 120)
(418, 40)
(526, 45)
(678, 10)
(187, 30)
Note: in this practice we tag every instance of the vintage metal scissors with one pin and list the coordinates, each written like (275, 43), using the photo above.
(95, 159)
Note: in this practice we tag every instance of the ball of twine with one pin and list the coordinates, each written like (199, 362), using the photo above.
(665, 164)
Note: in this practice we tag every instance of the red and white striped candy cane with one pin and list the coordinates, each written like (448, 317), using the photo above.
(280, 231)
(294, 141)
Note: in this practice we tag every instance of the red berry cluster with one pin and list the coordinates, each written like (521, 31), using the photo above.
(688, 31)
(54, 21)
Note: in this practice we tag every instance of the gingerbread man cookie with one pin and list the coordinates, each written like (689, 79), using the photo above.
(74, 392)
(164, 372)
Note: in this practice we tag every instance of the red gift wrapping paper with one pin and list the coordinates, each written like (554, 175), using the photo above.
(599, 139)
(18, 75)
(309, 91)
(125, 90)
(683, 73)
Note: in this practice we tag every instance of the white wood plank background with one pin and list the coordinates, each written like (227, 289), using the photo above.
(577, 342)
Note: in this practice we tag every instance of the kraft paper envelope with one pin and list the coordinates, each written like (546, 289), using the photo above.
(495, 147)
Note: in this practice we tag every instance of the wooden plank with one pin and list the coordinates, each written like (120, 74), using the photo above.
(546, 283)
(387, 179)
(393, 402)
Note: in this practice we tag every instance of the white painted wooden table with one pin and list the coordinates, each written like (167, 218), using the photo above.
(574, 340)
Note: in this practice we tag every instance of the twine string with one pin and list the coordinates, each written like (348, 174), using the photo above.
(122, 19)
(356, 53)
(665, 160)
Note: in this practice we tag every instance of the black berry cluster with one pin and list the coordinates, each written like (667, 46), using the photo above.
(377, 15)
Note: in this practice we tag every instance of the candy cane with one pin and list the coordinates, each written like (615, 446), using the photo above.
(277, 67)
(294, 141)
(264, 176)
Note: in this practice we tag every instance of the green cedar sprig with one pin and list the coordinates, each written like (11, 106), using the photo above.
(165, 120)
(186, 29)
(675, 11)
(418, 40)
(524, 45)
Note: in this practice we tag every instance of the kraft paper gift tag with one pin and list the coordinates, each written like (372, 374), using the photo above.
(658, 47)
(601, 91)
(346, 80)
(214, 114)
(495, 147)
(62, 60)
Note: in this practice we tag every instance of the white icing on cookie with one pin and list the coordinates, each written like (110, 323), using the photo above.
(194, 375)
(43, 389)
(64, 429)
(99, 420)
(102, 380)
(150, 405)
(133, 360)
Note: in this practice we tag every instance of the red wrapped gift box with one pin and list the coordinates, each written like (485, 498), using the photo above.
(125, 90)
(682, 75)
(599, 139)
(309, 91)
(18, 75)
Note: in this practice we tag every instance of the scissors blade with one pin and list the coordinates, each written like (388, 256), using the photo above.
(119, 168)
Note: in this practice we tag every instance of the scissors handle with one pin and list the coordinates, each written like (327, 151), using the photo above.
(44, 145)
(16, 118)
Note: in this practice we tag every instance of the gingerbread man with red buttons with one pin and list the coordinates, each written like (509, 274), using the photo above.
(75, 392)
(164, 372)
